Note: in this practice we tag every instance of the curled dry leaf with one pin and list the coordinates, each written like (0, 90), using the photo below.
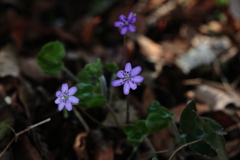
(79, 146)
(215, 98)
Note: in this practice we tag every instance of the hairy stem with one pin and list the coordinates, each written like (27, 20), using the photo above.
(80, 118)
(127, 114)
(21, 132)
(71, 74)
(185, 145)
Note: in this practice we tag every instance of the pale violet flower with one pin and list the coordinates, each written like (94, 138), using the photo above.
(66, 98)
(126, 23)
(128, 78)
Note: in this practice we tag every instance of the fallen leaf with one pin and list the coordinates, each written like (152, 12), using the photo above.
(79, 146)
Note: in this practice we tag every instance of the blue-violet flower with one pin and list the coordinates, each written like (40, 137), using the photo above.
(66, 98)
(126, 23)
(129, 77)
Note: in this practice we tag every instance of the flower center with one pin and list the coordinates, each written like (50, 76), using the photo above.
(65, 96)
(127, 23)
(127, 77)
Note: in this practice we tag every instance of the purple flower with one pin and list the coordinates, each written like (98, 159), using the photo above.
(65, 97)
(129, 77)
(126, 23)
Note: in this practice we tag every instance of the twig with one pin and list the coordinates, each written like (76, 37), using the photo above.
(21, 132)
(78, 115)
(185, 145)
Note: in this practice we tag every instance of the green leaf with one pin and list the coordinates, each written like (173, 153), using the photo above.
(94, 69)
(50, 58)
(85, 77)
(135, 133)
(112, 67)
(156, 122)
(201, 147)
(96, 100)
(155, 107)
(215, 125)
(215, 140)
(4, 129)
(141, 125)
(84, 90)
(154, 158)
(187, 123)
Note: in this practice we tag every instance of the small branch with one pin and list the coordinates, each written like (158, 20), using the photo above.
(78, 115)
(21, 132)
(71, 74)
(185, 145)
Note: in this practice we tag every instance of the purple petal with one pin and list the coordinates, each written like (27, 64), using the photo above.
(124, 30)
(64, 87)
(72, 91)
(121, 74)
(117, 82)
(57, 101)
(68, 106)
(128, 67)
(130, 15)
(137, 79)
(135, 71)
(126, 88)
(58, 93)
(131, 28)
(133, 85)
(119, 24)
(60, 106)
(73, 99)
(133, 20)
(122, 18)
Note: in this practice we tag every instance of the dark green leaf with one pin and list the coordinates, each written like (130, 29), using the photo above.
(154, 158)
(96, 100)
(201, 147)
(187, 123)
(50, 58)
(156, 122)
(85, 77)
(94, 69)
(111, 66)
(141, 125)
(215, 140)
(215, 126)
(155, 107)
(85, 88)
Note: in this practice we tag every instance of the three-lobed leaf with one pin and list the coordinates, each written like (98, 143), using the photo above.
(158, 117)
(112, 67)
(50, 58)
(135, 133)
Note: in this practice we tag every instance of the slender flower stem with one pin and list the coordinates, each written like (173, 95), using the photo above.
(127, 114)
(185, 145)
(150, 145)
(113, 115)
(124, 55)
(78, 115)
(71, 74)
(21, 132)
(80, 118)
(133, 152)
(175, 129)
